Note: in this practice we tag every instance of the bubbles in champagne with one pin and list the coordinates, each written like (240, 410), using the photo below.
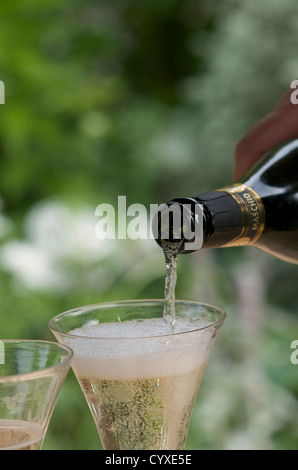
(140, 348)
(142, 413)
(140, 381)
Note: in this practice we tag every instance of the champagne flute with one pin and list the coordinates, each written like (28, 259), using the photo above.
(139, 379)
(31, 375)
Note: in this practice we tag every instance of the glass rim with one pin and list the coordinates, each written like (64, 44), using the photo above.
(37, 373)
(135, 301)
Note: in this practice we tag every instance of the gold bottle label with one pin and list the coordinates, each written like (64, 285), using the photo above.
(253, 212)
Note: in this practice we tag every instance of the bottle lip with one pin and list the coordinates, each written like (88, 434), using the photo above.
(179, 224)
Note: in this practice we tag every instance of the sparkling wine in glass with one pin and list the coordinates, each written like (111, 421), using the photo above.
(140, 380)
(31, 375)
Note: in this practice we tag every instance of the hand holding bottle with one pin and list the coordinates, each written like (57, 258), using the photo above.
(279, 126)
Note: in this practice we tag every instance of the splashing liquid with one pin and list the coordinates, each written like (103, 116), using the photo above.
(171, 261)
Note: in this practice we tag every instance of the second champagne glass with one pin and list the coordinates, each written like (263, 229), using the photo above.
(31, 375)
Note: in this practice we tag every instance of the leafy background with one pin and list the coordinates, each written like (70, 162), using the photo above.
(147, 100)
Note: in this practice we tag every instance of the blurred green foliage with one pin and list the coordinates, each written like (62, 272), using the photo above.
(144, 99)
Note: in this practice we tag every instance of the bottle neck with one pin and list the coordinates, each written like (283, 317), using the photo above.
(231, 216)
(235, 216)
(179, 225)
(223, 218)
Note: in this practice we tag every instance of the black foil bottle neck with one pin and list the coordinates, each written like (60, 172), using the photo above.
(194, 216)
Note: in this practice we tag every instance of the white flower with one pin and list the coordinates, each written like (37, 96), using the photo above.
(54, 234)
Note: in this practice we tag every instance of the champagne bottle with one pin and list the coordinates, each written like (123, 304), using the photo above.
(261, 210)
